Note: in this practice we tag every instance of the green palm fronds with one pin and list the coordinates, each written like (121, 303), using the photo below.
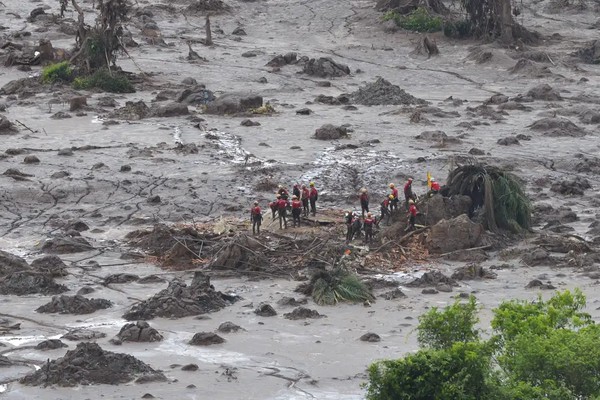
(336, 286)
(505, 204)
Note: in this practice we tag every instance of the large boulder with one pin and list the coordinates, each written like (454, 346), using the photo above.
(10, 263)
(234, 103)
(331, 132)
(195, 95)
(439, 207)
(171, 110)
(51, 265)
(27, 282)
(453, 234)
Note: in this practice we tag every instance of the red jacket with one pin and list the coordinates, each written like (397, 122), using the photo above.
(364, 197)
(255, 211)
(369, 221)
(408, 188)
(305, 194)
(435, 186)
(282, 204)
(395, 193)
(412, 210)
(296, 204)
(313, 194)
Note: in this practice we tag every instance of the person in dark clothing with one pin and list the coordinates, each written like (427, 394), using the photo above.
(408, 192)
(283, 192)
(296, 191)
(368, 227)
(349, 220)
(296, 210)
(256, 218)
(305, 197)
(364, 201)
(385, 210)
(313, 197)
(274, 206)
(282, 206)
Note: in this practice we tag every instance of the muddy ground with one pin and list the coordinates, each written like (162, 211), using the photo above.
(113, 176)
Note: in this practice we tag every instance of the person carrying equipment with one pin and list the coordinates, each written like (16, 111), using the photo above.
(256, 218)
(305, 196)
(385, 209)
(282, 206)
(368, 227)
(412, 215)
(364, 201)
(313, 197)
(394, 200)
(296, 210)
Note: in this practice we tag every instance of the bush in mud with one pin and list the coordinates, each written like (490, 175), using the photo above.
(538, 350)
(458, 29)
(104, 80)
(59, 72)
(419, 20)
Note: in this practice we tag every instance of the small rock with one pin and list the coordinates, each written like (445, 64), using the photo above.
(331, 132)
(189, 81)
(476, 152)
(125, 168)
(239, 31)
(429, 291)
(265, 310)
(304, 111)
(249, 122)
(206, 339)
(190, 367)
(154, 199)
(50, 344)
(228, 327)
(31, 159)
(508, 141)
(65, 152)
(370, 337)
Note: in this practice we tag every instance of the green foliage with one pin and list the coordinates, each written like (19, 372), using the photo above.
(338, 285)
(456, 323)
(59, 72)
(102, 79)
(419, 20)
(458, 29)
(541, 350)
(505, 203)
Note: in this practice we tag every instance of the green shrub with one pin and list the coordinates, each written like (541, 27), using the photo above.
(59, 72)
(458, 29)
(418, 20)
(102, 79)
(332, 286)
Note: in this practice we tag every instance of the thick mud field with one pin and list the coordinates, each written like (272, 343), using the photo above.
(124, 219)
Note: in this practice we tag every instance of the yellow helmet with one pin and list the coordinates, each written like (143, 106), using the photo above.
(391, 196)
(312, 184)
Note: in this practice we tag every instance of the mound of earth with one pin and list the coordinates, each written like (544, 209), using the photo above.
(589, 53)
(557, 127)
(440, 207)
(290, 301)
(454, 234)
(325, 67)
(132, 111)
(10, 263)
(74, 305)
(228, 327)
(382, 92)
(265, 310)
(472, 272)
(7, 127)
(204, 6)
(234, 103)
(575, 186)
(28, 282)
(51, 265)
(89, 364)
(331, 132)
(141, 331)
(206, 339)
(120, 278)
(530, 69)
(433, 278)
(81, 334)
(544, 92)
(302, 313)
(66, 245)
(179, 300)
(50, 344)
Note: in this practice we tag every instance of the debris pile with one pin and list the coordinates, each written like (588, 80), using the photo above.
(74, 305)
(382, 92)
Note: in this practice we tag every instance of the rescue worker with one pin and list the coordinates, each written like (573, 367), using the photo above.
(274, 206)
(313, 197)
(394, 200)
(408, 192)
(412, 215)
(296, 191)
(296, 210)
(368, 227)
(364, 201)
(283, 192)
(282, 206)
(435, 187)
(305, 196)
(348, 221)
(385, 209)
(256, 218)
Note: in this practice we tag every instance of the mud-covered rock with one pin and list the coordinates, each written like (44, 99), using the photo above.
(589, 53)
(51, 265)
(382, 92)
(7, 127)
(331, 132)
(291, 302)
(265, 310)
(89, 364)
(195, 95)
(544, 92)
(66, 245)
(206, 339)
(472, 272)
(325, 67)
(454, 234)
(234, 103)
(573, 186)
(140, 331)
(171, 110)
(74, 305)
(557, 127)
(283, 59)
(120, 278)
(10, 263)
(393, 294)
(432, 278)
(50, 344)
(132, 111)
(508, 141)
(537, 284)
(28, 282)
(302, 313)
(80, 334)
(439, 207)
(228, 327)
(179, 300)
(204, 6)
(535, 257)
(370, 337)
(151, 279)
(563, 244)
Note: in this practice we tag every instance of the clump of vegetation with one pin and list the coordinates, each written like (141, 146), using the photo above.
(505, 204)
(59, 72)
(539, 350)
(458, 29)
(105, 80)
(329, 287)
(419, 20)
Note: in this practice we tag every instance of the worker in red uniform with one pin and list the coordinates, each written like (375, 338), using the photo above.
(408, 192)
(385, 209)
(368, 227)
(274, 206)
(282, 206)
(364, 201)
(283, 192)
(412, 215)
(305, 197)
(395, 200)
(313, 197)
(296, 210)
(296, 191)
(256, 218)
(435, 187)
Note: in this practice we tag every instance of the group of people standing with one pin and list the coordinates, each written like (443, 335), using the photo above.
(302, 198)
